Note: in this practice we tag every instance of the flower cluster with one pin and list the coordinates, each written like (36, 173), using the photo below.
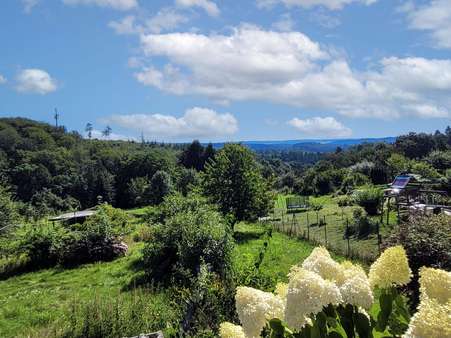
(255, 307)
(435, 283)
(390, 269)
(307, 294)
(320, 282)
(320, 262)
(229, 330)
(357, 291)
(433, 319)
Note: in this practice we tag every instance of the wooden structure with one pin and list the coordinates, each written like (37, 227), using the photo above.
(299, 203)
(413, 194)
(74, 217)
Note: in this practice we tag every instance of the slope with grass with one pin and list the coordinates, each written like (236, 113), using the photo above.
(305, 224)
(33, 303)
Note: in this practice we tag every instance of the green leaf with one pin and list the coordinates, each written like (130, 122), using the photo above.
(385, 302)
(277, 328)
(334, 334)
(345, 315)
(362, 325)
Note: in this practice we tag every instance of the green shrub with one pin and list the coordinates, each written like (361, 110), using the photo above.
(361, 226)
(39, 242)
(189, 232)
(427, 241)
(370, 198)
(97, 239)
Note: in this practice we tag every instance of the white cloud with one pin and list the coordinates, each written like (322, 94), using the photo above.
(122, 5)
(285, 23)
(126, 25)
(35, 81)
(209, 6)
(435, 17)
(28, 5)
(321, 127)
(165, 20)
(324, 19)
(289, 68)
(195, 123)
(329, 4)
(98, 135)
(2, 79)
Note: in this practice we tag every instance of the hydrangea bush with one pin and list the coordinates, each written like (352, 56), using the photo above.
(327, 299)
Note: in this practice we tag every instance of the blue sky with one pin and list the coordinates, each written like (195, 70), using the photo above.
(229, 70)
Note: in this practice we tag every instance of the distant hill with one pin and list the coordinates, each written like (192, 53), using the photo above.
(317, 146)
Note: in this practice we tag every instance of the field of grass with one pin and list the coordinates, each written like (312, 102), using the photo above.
(296, 224)
(33, 301)
(39, 299)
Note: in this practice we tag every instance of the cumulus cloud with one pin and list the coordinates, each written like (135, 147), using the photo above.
(98, 135)
(321, 127)
(28, 5)
(209, 6)
(165, 20)
(122, 5)
(35, 81)
(195, 123)
(289, 68)
(329, 4)
(2, 79)
(434, 17)
(285, 23)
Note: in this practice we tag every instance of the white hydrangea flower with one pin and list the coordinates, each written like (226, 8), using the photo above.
(255, 307)
(281, 291)
(390, 269)
(357, 291)
(435, 284)
(307, 294)
(433, 320)
(229, 330)
(351, 270)
(322, 263)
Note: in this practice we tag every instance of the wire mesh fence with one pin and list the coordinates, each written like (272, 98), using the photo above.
(330, 228)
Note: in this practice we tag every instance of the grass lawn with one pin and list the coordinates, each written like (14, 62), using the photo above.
(37, 299)
(295, 224)
(283, 251)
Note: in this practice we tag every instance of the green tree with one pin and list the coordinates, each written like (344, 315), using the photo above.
(159, 187)
(233, 180)
(8, 211)
(193, 156)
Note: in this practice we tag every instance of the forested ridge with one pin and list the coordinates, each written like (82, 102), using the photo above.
(50, 169)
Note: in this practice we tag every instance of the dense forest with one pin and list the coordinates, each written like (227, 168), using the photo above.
(48, 169)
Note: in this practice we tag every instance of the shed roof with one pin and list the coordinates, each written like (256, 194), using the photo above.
(73, 215)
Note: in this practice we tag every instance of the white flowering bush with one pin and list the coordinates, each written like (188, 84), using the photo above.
(326, 299)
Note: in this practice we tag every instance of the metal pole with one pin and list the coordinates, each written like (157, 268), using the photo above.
(308, 228)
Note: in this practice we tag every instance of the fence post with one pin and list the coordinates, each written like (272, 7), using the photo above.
(325, 231)
(388, 210)
(347, 236)
(308, 228)
(378, 239)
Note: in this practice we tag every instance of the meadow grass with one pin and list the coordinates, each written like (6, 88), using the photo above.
(295, 224)
(39, 299)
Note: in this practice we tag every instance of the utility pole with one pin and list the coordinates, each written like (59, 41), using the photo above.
(56, 116)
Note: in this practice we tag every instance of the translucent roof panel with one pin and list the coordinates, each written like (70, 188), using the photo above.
(400, 182)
